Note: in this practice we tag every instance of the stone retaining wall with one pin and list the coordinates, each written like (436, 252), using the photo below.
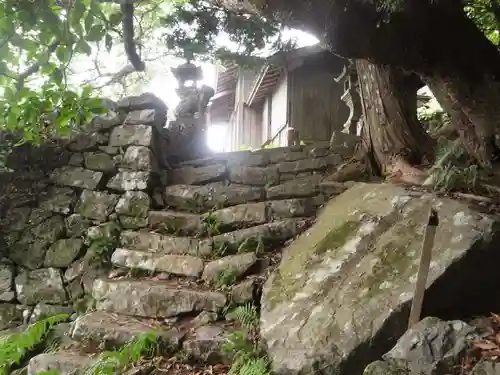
(65, 204)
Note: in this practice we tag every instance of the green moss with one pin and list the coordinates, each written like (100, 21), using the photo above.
(286, 285)
(394, 258)
(336, 237)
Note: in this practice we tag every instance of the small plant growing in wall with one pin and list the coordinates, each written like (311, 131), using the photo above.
(211, 223)
(225, 278)
(248, 358)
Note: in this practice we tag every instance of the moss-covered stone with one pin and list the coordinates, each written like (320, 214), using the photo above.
(353, 272)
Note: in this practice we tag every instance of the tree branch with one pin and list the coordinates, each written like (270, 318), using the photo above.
(127, 9)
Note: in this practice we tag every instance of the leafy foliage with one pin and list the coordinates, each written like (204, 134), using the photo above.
(112, 362)
(13, 348)
(247, 315)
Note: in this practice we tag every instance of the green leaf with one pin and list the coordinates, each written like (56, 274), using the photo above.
(77, 13)
(109, 42)
(83, 47)
(57, 76)
(89, 21)
(95, 33)
(62, 54)
(115, 19)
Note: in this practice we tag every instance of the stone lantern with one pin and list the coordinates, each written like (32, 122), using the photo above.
(352, 97)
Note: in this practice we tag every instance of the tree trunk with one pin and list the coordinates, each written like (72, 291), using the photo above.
(394, 138)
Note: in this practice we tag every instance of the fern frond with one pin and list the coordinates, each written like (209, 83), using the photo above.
(13, 348)
(255, 366)
(247, 315)
(111, 361)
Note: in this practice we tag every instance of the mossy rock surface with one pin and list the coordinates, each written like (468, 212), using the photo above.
(348, 281)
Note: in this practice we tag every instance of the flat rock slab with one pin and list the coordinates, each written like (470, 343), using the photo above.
(207, 343)
(181, 265)
(155, 299)
(198, 175)
(160, 243)
(76, 177)
(348, 281)
(271, 233)
(114, 331)
(254, 175)
(64, 363)
(176, 222)
(242, 215)
(296, 188)
(201, 198)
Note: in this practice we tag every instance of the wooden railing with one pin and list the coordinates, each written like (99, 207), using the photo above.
(285, 136)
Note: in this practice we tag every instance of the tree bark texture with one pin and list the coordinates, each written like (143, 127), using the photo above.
(392, 132)
(480, 149)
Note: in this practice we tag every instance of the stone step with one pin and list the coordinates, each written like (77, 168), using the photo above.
(154, 242)
(198, 199)
(109, 331)
(271, 233)
(198, 175)
(296, 188)
(181, 265)
(64, 363)
(154, 299)
(176, 222)
(250, 239)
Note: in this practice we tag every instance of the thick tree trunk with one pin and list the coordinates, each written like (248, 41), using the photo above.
(394, 138)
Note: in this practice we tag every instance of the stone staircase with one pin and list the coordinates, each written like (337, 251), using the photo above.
(206, 244)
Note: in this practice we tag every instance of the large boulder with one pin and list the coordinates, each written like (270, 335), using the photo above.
(343, 288)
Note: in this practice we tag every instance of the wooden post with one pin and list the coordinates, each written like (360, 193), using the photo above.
(423, 270)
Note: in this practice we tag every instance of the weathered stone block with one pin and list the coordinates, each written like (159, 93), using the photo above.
(10, 315)
(131, 135)
(242, 215)
(43, 285)
(196, 198)
(30, 250)
(146, 117)
(159, 243)
(198, 175)
(62, 253)
(271, 233)
(244, 158)
(139, 158)
(363, 253)
(77, 225)
(129, 180)
(207, 343)
(129, 222)
(96, 205)
(43, 311)
(63, 363)
(102, 328)
(106, 121)
(254, 176)
(182, 265)
(235, 265)
(76, 160)
(16, 219)
(244, 292)
(175, 222)
(144, 101)
(7, 282)
(110, 150)
(76, 177)
(299, 187)
(331, 188)
(133, 203)
(279, 155)
(83, 142)
(60, 200)
(291, 207)
(303, 165)
(108, 230)
(160, 299)
(98, 161)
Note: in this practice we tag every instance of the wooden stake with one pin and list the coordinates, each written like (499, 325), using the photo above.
(423, 270)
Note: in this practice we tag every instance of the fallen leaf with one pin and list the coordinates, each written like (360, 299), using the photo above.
(485, 345)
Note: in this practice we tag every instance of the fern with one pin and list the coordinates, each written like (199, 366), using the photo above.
(13, 348)
(247, 315)
(110, 362)
(255, 366)
(247, 360)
